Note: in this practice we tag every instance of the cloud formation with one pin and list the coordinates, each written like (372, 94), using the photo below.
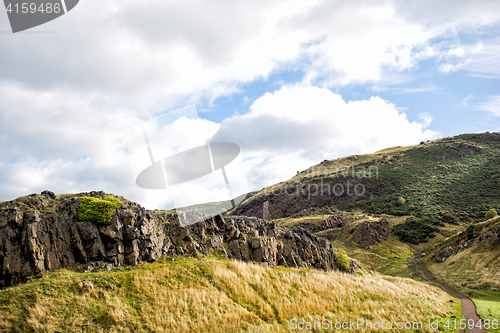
(298, 126)
(67, 98)
(492, 105)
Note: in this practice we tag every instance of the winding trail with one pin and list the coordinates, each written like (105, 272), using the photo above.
(468, 307)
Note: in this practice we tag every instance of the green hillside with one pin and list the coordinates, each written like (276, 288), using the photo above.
(387, 254)
(449, 180)
(469, 262)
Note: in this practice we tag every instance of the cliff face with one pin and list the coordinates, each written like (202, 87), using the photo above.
(42, 232)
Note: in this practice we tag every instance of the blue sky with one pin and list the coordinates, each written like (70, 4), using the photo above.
(291, 82)
(449, 97)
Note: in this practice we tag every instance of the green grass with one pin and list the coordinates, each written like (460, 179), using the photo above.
(488, 307)
(97, 210)
(454, 308)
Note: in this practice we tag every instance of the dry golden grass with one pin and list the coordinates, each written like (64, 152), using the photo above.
(477, 266)
(211, 295)
(291, 222)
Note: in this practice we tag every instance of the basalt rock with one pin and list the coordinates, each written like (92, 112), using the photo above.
(369, 233)
(488, 236)
(332, 221)
(42, 232)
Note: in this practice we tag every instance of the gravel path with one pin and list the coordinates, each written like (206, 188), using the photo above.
(468, 307)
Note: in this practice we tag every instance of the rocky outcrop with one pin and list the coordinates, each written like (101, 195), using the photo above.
(449, 251)
(461, 149)
(333, 221)
(42, 232)
(369, 233)
(485, 234)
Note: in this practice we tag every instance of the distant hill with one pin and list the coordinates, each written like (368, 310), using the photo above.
(449, 180)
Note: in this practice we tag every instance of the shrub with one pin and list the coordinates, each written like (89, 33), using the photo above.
(414, 231)
(449, 218)
(342, 261)
(491, 213)
(470, 232)
(401, 201)
(97, 210)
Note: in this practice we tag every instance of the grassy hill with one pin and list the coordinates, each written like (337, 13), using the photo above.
(449, 180)
(213, 295)
(428, 198)
(469, 262)
(387, 256)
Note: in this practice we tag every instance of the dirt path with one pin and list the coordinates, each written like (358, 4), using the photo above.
(468, 307)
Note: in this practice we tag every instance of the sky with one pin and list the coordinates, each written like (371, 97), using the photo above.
(292, 83)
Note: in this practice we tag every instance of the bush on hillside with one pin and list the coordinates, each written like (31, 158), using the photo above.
(470, 232)
(97, 210)
(449, 218)
(491, 213)
(414, 231)
(401, 201)
(342, 261)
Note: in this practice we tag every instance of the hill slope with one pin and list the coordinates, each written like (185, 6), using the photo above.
(448, 179)
(469, 262)
(210, 295)
(471, 257)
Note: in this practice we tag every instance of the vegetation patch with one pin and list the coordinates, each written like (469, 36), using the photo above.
(488, 307)
(415, 231)
(342, 261)
(211, 295)
(97, 210)
(491, 214)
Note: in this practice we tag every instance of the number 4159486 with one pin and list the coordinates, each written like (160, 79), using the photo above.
(26, 7)
(487, 324)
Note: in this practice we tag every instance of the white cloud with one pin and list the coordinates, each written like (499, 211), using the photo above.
(298, 126)
(467, 100)
(426, 119)
(450, 15)
(359, 38)
(492, 105)
(67, 98)
(157, 55)
(456, 52)
(486, 60)
(447, 68)
(424, 88)
(66, 144)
